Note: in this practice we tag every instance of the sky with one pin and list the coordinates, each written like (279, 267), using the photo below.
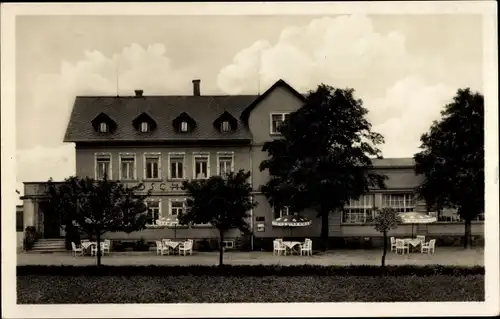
(405, 68)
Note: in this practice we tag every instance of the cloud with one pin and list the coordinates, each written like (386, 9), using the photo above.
(53, 96)
(401, 89)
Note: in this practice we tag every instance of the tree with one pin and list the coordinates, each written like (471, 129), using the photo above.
(386, 219)
(452, 159)
(223, 202)
(323, 158)
(96, 207)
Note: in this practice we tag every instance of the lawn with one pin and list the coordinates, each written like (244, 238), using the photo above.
(35, 289)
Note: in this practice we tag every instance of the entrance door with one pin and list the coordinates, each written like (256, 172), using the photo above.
(51, 223)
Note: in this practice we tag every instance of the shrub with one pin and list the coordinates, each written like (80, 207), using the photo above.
(118, 246)
(247, 270)
(30, 237)
(141, 245)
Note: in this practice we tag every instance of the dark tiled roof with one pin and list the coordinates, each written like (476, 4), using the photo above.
(163, 109)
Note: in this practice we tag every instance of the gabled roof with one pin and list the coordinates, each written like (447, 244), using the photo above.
(203, 109)
(279, 83)
(184, 117)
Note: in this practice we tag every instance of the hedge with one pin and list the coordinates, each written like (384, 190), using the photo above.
(249, 270)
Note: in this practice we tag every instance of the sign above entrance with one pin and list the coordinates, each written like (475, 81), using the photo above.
(158, 186)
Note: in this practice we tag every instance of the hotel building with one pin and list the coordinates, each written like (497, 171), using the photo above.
(164, 140)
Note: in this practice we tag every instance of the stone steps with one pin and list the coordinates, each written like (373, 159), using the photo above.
(49, 245)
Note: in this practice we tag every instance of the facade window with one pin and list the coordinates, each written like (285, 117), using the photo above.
(152, 166)
(144, 127)
(277, 119)
(102, 166)
(184, 126)
(281, 212)
(154, 211)
(225, 127)
(177, 207)
(103, 127)
(225, 163)
(400, 202)
(176, 166)
(359, 211)
(127, 167)
(201, 167)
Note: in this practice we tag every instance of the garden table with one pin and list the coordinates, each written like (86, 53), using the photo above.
(291, 244)
(172, 244)
(87, 244)
(414, 242)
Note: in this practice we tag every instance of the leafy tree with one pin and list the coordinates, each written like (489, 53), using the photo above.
(386, 219)
(323, 157)
(96, 207)
(223, 202)
(452, 159)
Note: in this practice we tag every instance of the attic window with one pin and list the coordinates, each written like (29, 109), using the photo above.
(144, 127)
(103, 127)
(225, 127)
(184, 126)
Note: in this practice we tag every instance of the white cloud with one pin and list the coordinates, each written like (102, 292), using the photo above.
(53, 96)
(347, 52)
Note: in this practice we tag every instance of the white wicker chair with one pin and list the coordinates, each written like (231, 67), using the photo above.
(306, 247)
(186, 247)
(75, 250)
(393, 243)
(278, 247)
(429, 247)
(401, 246)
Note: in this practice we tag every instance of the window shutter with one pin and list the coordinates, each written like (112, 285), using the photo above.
(232, 163)
(144, 167)
(184, 167)
(160, 174)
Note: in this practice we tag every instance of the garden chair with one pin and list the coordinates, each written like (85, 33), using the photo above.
(75, 250)
(161, 248)
(401, 246)
(278, 248)
(393, 243)
(429, 247)
(105, 247)
(186, 247)
(306, 247)
(422, 238)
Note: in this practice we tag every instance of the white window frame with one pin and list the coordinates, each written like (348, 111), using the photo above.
(221, 155)
(282, 212)
(201, 155)
(144, 127)
(361, 207)
(406, 201)
(176, 200)
(103, 127)
(160, 214)
(102, 155)
(176, 155)
(283, 116)
(184, 126)
(128, 156)
(152, 155)
(225, 127)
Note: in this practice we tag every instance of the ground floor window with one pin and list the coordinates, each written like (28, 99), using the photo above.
(154, 211)
(359, 210)
(402, 203)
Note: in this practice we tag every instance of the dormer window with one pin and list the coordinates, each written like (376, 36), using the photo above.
(225, 127)
(226, 122)
(184, 123)
(144, 127)
(144, 123)
(103, 127)
(184, 126)
(103, 124)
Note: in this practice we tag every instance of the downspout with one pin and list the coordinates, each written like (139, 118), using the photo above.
(251, 184)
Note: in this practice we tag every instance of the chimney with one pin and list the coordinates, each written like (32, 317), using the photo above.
(196, 87)
(138, 93)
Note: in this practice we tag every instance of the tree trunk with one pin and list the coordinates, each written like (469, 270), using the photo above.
(467, 235)
(385, 249)
(98, 240)
(221, 248)
(324, 230)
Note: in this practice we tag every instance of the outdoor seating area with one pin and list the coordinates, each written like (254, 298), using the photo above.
(300, 248)
(408, 245)
(88, 247)
(172, 247)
